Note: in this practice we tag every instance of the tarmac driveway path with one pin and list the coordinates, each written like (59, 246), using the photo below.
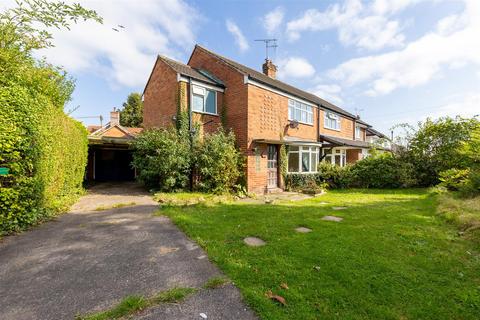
(88, 260)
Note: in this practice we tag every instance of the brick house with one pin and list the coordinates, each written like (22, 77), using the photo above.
(263, 112)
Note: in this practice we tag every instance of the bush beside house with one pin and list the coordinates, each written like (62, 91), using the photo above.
(171, 160)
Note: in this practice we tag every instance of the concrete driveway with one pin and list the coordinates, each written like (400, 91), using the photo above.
(87, 260)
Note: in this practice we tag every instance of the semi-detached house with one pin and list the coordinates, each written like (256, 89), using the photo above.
(263, 112)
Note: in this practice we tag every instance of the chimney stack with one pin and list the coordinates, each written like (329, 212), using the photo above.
(270, 69)
(114, 117)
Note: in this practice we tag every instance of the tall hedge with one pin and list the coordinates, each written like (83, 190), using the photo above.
(44, 149)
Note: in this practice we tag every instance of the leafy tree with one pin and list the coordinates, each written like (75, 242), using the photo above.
(436, 146)
(22, 27)
(132, 113)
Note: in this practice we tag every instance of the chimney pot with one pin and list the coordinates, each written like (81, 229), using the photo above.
(269, 69)
(114, 117)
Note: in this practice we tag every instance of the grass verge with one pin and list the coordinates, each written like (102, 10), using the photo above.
(136, 303)
(115, 206)
(392, 256)
(463, 212)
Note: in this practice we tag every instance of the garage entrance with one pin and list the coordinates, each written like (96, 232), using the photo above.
(109, 152)
(111, 164)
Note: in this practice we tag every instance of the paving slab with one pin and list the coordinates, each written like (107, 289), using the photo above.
(87, 261)
(254, 242)
(303, 230)
(339, 208)
(332, 218)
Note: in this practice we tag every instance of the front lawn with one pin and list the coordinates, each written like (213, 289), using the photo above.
(392, 257)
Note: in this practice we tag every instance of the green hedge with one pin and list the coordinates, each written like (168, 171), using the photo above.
(44, 149)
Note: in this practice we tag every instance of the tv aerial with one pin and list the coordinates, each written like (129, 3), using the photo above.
(269, 44)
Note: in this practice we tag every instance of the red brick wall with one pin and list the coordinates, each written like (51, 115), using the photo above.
(347, 127)
(160, 97)
(235, 95)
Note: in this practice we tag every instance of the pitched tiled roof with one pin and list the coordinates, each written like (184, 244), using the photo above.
(188, 71)
(282, 86)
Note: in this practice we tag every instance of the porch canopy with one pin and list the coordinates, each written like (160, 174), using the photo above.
(330, 141)
(290, 141)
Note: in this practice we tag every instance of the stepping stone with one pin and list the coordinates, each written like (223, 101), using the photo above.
(254, 242)
(339, 208)
(323, 203)
(332, 218)
(303, 230)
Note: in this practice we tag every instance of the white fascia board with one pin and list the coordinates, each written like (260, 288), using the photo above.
(198, 83)
(266, 87)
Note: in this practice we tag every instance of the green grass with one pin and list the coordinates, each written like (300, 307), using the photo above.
(115, 206)
(216, 282)
(136, 303)
(392, 257)
(190, 198)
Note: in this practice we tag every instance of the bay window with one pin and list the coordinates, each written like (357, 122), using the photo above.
(300, 112)
(332, 121)
(302, 159)
(204, 100)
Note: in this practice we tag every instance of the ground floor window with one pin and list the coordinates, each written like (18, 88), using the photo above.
(302, 159)
(334, 156)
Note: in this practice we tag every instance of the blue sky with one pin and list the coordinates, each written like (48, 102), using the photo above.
(390, 60)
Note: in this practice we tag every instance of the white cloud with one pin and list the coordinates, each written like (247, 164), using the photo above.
(420, 60)
(329, 92)
(273, 20)
(125, 57)
(240, 39)
(468, 105)
(366, 27)
(295, 67)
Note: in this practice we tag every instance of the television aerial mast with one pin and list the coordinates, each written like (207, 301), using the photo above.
(269, 44)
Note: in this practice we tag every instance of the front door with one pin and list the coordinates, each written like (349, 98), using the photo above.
(272, 166)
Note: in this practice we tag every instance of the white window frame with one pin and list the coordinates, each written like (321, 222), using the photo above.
(303, 109)
(197, 91)
(328, 115)
(358, 132)
(331, 157)
(311, 150)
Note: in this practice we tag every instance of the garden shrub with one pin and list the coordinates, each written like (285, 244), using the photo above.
(44, 149)
(162, 158)
(333, 176)
(217, 162)
(299, 181)
(454, 179)
(382, 171)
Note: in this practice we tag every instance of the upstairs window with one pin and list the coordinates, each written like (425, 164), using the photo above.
(332, 121)
(300, 112)
(358, 133)
(204, 100)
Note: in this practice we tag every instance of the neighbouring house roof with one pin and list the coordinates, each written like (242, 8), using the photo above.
(282, 86)
(335, 141)
(373, 132)
(188, 71)
(93, 128)
(112, 134)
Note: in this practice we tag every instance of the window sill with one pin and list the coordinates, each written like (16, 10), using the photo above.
(301, 122)
(206, 113)
(312, 172)
(339, 130)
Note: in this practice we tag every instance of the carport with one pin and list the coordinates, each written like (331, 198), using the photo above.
(109, 151)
